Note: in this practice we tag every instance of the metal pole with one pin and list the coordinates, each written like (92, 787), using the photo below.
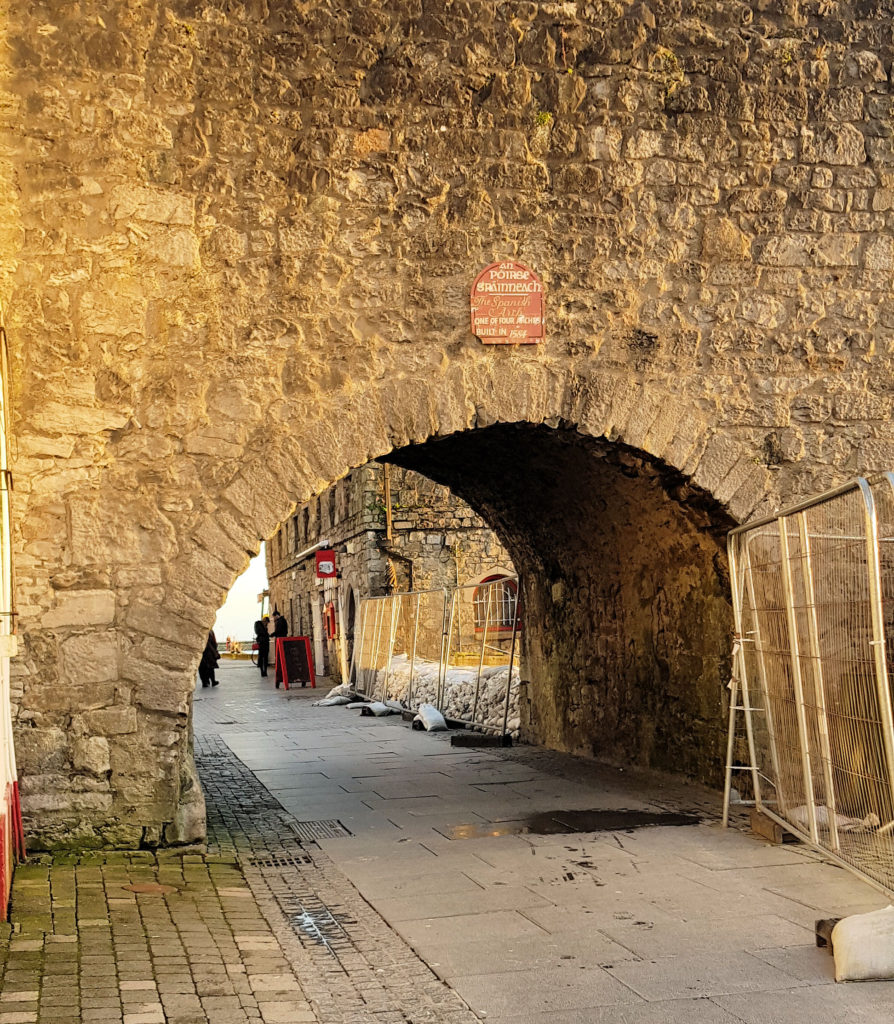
(730, 740)
(818, 680)
(413, 654)
(393, 600)
(380, 615)
(389, 523)
(445, 652)
(878, 631)
(800, 709)
(748, 579)
(490, 589)
(16, 832)
(342, 638)
(511, 658)
(352, 672)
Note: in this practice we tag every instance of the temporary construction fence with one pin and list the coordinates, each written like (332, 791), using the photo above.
(813, 594)
(454, 648)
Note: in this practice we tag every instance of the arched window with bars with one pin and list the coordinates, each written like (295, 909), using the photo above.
(495, 604)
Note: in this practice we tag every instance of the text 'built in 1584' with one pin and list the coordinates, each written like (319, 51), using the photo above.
(507, 305)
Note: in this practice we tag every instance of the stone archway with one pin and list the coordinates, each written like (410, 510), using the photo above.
(622, 566)
(137, 638)
(238, 251)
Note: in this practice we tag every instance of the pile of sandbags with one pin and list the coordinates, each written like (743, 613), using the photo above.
(342, 694)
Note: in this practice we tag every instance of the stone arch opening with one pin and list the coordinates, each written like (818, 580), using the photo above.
(523, 417)
(623, 573)
(622, 567)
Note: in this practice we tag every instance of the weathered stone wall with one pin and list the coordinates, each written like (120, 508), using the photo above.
(238, 266)
(437, 541)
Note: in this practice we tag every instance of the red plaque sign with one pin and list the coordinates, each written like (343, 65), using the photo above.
(326, 564)
(507, 305)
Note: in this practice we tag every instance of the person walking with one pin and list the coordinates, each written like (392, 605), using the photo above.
(208, 664)
(262, 639)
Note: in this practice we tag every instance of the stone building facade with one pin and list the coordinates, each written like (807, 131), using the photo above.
(236, 250)
(436, 541)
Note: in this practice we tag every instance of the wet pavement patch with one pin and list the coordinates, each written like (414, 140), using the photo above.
(554, 823)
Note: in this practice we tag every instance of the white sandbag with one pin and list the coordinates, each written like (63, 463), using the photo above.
(357, 704)
(328, 702)
(342, 690)
(377, 708)
(431, 718)
(799, 817)
(394, 704)
(863, 946)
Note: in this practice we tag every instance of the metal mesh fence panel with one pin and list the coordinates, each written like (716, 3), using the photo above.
(394, 679)
(425, 669)
(400, 647)
(455, 649)
(479, 655)
(373, 648)
(814, 589)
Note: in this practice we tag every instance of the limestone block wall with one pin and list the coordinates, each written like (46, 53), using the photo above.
(236, 252)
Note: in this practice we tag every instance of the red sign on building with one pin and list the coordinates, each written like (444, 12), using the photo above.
(326, 564)
(507, 305)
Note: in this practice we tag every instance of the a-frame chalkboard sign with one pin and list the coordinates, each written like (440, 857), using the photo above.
(294, 664)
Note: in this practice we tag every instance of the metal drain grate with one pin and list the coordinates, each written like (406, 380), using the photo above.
(279, 860)
(316, 925)
(313, 830)
(321, 928)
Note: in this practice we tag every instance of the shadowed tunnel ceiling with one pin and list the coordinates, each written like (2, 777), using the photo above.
(627, 614)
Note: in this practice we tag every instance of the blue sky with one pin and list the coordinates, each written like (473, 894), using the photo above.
(237, 617)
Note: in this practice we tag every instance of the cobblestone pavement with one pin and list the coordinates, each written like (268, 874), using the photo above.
(134, 939)
(262, 927)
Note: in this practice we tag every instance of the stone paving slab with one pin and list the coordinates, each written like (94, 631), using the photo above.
(449, 904)
(692, 1011)
(543, 990)
(868, 1003)
(696, 976)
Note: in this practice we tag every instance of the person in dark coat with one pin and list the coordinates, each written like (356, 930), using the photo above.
(280, 629)
(208, 664)
(262, 639)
